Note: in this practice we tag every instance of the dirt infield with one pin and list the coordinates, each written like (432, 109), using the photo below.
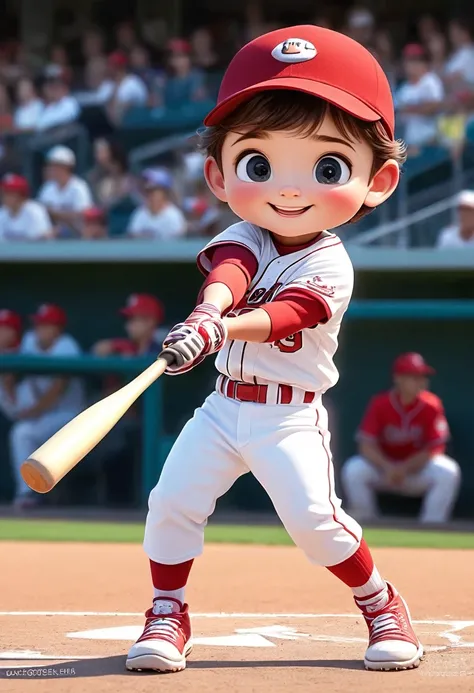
(264, 620)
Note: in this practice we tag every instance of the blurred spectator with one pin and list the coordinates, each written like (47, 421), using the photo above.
(64, 194)
(203, 212)
(461, 234)
(29, 106)
(110, 179)
(361, 25)
(140, 65)
(95, 63)
(419, 99)
(437, 48)
(61, 107)
(427, 27)
(59, 61)
(124, 90)
(204, 55)
(21, 219)
(144, 316)
(92, 44)
(384, 51)
(125, 36)
(10, 337)
(158, 217)
(6, 117)
(43, 403)
(183, 84)
(459, 69)
(94, 224)
(402, 441)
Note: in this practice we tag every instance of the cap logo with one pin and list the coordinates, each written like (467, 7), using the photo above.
(294, 50)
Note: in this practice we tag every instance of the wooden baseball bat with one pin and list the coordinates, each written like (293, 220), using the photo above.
(52, 461)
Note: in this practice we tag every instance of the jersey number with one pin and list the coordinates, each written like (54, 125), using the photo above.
(292, 343)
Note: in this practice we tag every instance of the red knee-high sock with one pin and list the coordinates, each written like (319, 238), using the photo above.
(170, 580)
(360, 574)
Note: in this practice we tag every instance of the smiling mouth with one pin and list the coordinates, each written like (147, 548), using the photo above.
(290, 211)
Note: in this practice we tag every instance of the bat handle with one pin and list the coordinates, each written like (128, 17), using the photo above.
(167, 356)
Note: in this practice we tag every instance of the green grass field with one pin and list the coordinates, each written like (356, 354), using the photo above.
(60, 530)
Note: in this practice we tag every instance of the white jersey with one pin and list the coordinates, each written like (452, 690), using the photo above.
(33, 387)
(305, 359)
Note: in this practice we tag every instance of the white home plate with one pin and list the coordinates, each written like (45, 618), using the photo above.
(131, 633)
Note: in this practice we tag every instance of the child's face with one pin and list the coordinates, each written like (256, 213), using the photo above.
(292, 185)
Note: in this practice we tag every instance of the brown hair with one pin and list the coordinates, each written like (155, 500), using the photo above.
(303, 114)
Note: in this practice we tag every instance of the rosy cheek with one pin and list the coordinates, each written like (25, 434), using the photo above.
(241, 195)
(344, 200)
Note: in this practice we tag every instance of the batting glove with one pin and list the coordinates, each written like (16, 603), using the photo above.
(185, 346)
(207, 321)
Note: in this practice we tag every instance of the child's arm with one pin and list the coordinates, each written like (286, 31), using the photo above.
(288, 313)
(233, 268)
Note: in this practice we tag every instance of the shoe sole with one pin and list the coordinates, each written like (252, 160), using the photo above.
(396, 666)
(155, 662)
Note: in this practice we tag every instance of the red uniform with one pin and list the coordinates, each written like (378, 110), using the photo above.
(402, 431)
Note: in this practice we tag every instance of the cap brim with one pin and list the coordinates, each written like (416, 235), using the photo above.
(333, 95)
(424, 370)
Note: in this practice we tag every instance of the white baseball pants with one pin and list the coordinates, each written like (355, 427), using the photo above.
(29, 434)
(286, 447)
(438, 482)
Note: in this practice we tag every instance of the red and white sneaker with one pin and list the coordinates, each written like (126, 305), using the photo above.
(166, 639)
(393, 644)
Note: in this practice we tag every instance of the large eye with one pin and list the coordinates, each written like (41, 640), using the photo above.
(331, 170)
(254, 168)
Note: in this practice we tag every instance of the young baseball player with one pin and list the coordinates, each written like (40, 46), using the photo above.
(300, 141)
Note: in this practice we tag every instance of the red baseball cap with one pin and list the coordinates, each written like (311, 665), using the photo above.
(8, 318)
(415, 51)
(143, 305)
(179, 45)
(49, 314)
(13, 183)
(93, 214)
(118, 59)
(315, 61)
(412, 364)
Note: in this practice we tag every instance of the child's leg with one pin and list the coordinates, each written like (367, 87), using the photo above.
(297, 472)
(203, 465)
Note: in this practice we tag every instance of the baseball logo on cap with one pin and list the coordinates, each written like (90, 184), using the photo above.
(294, 50)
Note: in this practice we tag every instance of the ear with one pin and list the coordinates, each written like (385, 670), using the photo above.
(214, 179)
(383, 183)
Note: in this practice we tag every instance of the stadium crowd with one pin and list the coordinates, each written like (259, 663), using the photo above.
(430, 66)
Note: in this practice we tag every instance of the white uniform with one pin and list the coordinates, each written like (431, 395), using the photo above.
(28, 434)
(31, 223)
(284, 440)
(75, 196)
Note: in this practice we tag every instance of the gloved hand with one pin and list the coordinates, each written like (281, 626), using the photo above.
(189, 342)
(186, 346)
(207, 321)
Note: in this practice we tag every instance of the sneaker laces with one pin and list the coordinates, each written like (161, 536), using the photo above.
(164, 628)
(386, 625)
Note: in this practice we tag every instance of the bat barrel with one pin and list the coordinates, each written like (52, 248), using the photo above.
(37, 476)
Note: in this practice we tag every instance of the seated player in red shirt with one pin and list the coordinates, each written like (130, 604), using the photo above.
(402, 442)
(143, 317)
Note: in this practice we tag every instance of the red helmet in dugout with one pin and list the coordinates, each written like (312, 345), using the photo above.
(411, 364)
(312, 60)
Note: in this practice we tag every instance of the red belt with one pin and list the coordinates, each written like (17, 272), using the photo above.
(248, 392)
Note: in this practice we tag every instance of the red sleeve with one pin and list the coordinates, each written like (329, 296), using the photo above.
(436, 433)
(294, 310)
(232, 265)
(371, 425)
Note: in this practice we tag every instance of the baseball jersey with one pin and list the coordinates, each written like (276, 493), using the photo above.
(34, 386)
(75, 196)
(322, 269)
(402, 431)
(31, 223)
